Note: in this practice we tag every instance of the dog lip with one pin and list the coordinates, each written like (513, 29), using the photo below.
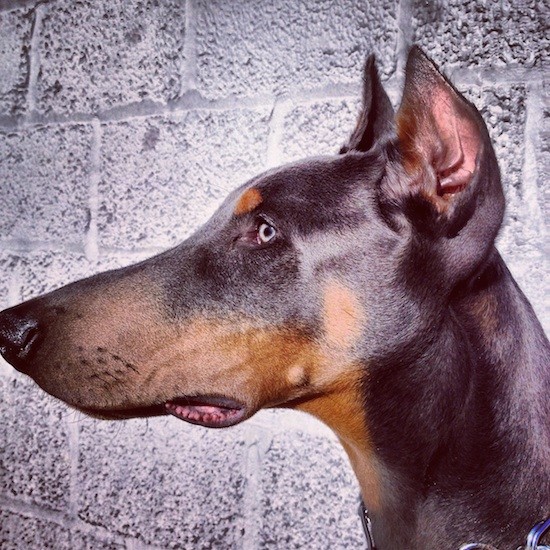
(211, 411)
(123, 414)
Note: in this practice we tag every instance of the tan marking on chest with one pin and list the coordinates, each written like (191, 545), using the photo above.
(248, 201)
(485, 310)
(342, 315)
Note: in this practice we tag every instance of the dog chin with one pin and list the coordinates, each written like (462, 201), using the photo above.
(123, 414)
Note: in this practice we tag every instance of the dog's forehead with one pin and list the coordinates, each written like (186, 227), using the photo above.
(308, 189)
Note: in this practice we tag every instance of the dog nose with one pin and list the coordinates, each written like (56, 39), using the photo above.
(19, 337)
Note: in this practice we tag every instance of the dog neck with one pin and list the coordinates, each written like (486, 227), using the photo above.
(439, 427)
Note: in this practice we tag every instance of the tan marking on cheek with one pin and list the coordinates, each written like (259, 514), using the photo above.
(252, 364)
(342, 315)
(248, 201)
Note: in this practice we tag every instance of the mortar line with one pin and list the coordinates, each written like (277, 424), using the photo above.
(34, 58)
(258, 441)
(73, 436)
(136, 544)
(194, 101)
(60, 518)
(13, 5)
(91, 247)
(405, 36)
(530, 169)
(190, 70)
(26, 246)
(275, 132)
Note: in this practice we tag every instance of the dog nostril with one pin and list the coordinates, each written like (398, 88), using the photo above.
(30, 338)
(19, 338)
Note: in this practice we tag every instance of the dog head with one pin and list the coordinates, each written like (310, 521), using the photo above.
(305, 276)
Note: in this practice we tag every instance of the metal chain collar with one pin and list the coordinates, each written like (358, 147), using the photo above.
(533, 539)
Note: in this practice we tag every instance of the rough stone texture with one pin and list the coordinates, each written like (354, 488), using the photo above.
(482, 33)
(317, 128)
(164, 176)
(302, 478)
(21, 532)
(8, 263)
(160, 171)
(503, 110)
(34, 461)
(15, 34)
(543, 155)
(163, 481)
(44, 271)
(81, 541)
(522, 237)
(250, 46)
(44, 190)
(110, 54)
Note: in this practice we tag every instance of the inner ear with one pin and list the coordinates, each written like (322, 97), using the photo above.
(439, 132)
(376, 119)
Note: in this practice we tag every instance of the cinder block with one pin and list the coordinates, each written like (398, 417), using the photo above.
(530, 266)
(521, 241)
(44, 191)
(99, 55)
(81, 541)
(164, 482)
(318, 128)
(8, 273)
(43, 271)
(164, 176)
(309, 495)
(34, 463)
(15, 37)
(503, 109)
(543, 157)
(21, 532)
(481, 33)
(250, 46)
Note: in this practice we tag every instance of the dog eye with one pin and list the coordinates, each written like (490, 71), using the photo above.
(266, 232)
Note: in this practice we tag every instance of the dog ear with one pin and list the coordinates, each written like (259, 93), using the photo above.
(376, 119)
(441, 136)
(443, 175)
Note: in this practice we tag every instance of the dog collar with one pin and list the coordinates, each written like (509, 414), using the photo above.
(533, 539)
(367, 525)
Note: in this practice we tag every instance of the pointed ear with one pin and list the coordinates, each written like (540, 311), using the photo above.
(443, 178)
(440, 134)
(376, 120)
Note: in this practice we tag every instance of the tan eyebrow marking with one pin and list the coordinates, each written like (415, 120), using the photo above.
(250, 199)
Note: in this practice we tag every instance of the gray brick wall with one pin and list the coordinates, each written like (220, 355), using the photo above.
(122, 125)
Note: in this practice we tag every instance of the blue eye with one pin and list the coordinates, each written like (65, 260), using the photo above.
(266, 233)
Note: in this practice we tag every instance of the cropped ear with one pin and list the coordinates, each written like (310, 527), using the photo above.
(376, 120)
(442, 177)
(441, 136)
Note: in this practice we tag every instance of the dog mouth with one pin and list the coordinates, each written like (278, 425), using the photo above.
(211, 411)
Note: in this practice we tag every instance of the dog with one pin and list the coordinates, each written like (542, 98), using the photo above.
(363, 288)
